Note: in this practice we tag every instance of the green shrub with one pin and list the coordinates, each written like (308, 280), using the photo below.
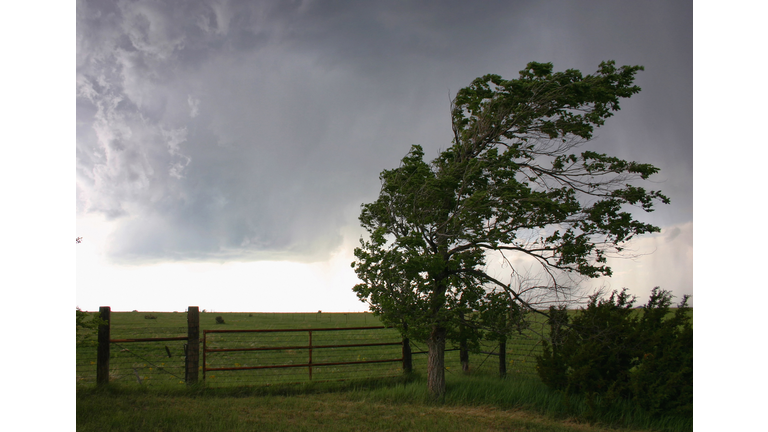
(219, 320)
(612, 351)
(663, 379)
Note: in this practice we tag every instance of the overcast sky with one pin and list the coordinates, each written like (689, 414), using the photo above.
(224, 147)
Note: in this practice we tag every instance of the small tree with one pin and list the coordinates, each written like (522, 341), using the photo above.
(509, 184)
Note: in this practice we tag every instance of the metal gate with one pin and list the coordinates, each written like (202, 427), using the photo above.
(309, 354)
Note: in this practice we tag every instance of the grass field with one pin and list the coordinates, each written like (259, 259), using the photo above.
(147, 390)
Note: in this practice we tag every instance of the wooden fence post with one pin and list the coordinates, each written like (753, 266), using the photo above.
(102, 351)
(193, 344)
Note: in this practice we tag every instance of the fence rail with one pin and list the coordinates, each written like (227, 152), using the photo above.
(289, 352)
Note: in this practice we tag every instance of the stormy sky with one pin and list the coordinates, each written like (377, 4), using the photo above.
(224, 147)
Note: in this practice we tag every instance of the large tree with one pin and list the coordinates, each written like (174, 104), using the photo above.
(511, 183)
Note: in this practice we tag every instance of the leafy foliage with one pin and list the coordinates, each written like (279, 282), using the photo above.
(510, 184)
(612, 350)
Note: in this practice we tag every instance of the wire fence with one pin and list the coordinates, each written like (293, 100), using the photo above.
(137, 362)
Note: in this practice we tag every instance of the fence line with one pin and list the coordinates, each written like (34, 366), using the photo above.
(237, 355)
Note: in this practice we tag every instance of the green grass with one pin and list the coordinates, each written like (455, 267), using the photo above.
(471, 404)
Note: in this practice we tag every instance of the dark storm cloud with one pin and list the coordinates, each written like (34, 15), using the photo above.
(246, 130)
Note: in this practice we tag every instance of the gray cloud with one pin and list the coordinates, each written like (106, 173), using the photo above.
(221, 130)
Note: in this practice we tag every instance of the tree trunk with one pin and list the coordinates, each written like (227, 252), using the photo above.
(436, 362)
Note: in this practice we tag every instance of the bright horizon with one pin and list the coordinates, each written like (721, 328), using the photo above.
(284, 286)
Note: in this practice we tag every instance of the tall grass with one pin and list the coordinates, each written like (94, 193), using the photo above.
(526, 393)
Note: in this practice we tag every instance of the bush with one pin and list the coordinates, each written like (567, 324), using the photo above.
(663, 379)
(612, 351)
(219, 320)
(150, 316)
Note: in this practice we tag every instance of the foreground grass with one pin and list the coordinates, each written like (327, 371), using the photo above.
(471, 404)
(334, 412)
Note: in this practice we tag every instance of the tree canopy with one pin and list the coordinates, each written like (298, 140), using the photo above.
(511, 183)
